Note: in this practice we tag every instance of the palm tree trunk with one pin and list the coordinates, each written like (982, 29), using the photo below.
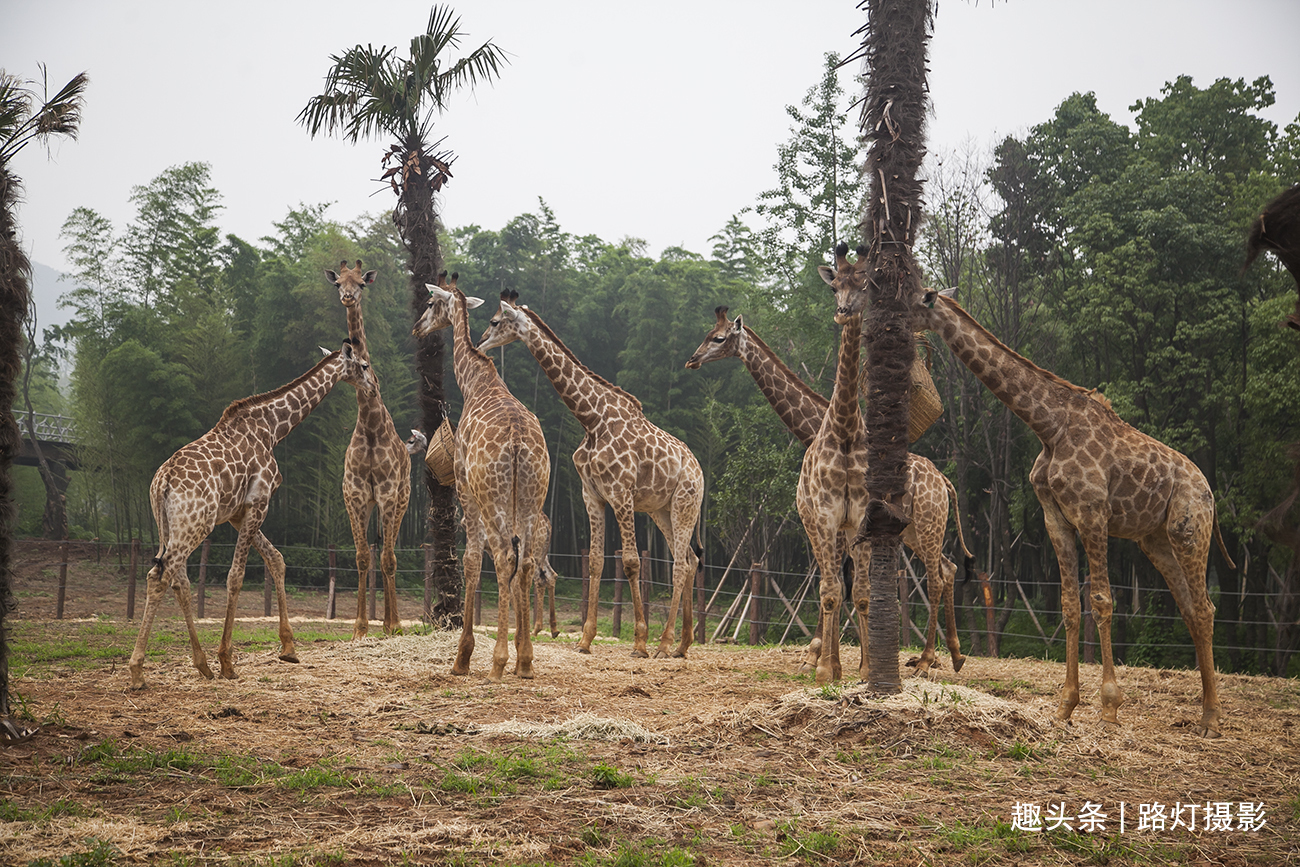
(14, 270)
(894, 46)
(417, 223)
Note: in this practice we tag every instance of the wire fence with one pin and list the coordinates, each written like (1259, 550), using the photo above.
(753, 605)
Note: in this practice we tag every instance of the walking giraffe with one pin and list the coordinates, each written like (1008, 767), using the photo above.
(228, 476)
(502, 473)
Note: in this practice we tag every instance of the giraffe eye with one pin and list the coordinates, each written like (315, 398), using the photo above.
(719, 340)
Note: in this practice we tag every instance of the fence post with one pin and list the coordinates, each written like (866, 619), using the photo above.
(756, 626)
(699, 602)
(428, 583)
(904, 607)
(330, 610)
(986, 590)
(586, 584)
(63, 580)
(131, 578)
(620, 578)
(203, 575)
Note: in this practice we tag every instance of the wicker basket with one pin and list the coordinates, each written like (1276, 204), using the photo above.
(440, 457)
(925, 406)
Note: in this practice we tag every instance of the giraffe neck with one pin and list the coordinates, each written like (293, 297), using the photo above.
(589, 397)
(280, 411)
(843, 412)
(1025, 388)
(800, 407)
(474, 370)
(357, 329)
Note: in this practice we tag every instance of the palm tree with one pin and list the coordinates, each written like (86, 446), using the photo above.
(375, 93)
(22, 120)
(894, 45)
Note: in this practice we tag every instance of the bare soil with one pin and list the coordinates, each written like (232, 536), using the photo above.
(372, 753)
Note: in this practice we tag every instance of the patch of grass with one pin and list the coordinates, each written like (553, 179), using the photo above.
(11, 812)
(322, 775)
(605, 776)
(821, 846)
(237, 772)
(101, 855)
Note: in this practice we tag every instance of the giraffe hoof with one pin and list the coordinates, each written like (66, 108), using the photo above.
(639, 654)
(288, 657)
(586, 650)
(138, 687)
(203, 670)
(661, 654)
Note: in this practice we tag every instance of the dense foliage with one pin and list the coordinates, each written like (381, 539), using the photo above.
(1108, 255)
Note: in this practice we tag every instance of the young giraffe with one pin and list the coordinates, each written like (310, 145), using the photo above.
(228, 476)
(624, 462)
(1096, 476)
(802, 410)
(502, 473)
(376, 467)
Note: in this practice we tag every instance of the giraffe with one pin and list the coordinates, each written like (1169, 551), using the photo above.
(376, 466)
(502, 473)
(228, 476)
(802, 410)
(624, 462)
(1097, 477)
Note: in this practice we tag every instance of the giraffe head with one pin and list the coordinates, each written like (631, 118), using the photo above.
(350, 282)
(418, 444)
(441, 305)
(724, 340)
(848, 280)
(356, 369)
(508, 325)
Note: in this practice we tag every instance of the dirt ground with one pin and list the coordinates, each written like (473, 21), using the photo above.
(372, 753)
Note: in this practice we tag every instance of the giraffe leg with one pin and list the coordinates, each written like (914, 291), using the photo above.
(830, 558)
(391, 518)
(684, 560)
(539, 605)
(1180, 567)
(1061, 533)
(182, 588)
(523, 634)
(949, 572)
(506, 565)
(474, 541)
(359, 517)
(595, 565)
(623, 514)
(862, 604)
(248, 526)
(275, 565)
(1094, 544)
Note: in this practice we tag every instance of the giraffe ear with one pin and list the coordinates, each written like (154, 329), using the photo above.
(828, 274)
(950, 292)
(471, 302)
(332, 277)
(737, 324)
(368, 277)
(323, 350)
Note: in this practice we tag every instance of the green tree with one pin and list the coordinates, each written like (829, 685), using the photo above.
(374, 92)
(25, 117)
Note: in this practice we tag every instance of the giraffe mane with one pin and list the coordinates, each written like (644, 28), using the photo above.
(1091, 393)
(546, 329)
(238, 406)
(796, 380)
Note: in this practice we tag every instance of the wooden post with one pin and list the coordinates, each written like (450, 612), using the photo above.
(986, 591)
(203, 574)
(700, 607)
(131, 578)
(428, 583)
(586, 584)
(333, 577)
(620, 578)
(756, 625)
(63, 580)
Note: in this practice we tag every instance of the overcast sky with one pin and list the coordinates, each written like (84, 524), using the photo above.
(657, 120)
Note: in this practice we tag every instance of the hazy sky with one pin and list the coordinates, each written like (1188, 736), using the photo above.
(655, 120)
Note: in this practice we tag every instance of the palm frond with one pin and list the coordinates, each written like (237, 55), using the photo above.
(56, 115)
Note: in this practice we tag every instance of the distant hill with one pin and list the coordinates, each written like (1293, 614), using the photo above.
(46, 288)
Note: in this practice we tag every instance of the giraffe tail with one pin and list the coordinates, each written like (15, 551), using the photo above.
(967, 558)
(1222, 547)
